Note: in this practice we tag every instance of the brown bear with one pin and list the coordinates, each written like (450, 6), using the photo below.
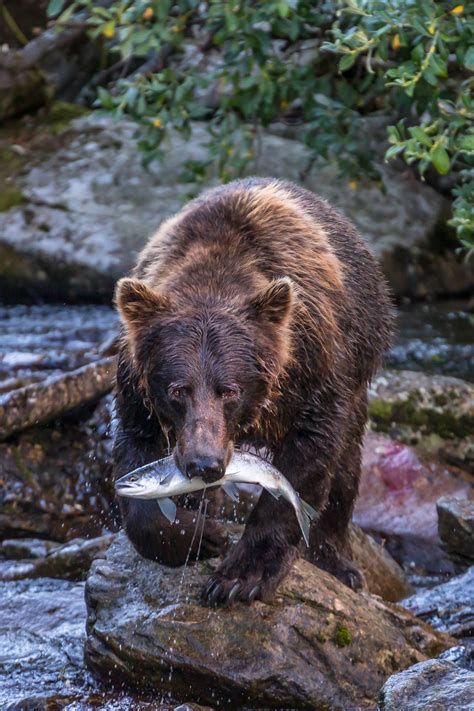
(255, 315)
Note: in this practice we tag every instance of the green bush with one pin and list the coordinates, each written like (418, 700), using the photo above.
(340, 69)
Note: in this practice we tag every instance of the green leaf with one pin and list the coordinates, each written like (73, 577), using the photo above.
(418, 133)
(55, 7)
(469, 59)
(466, 143)
(346, 62)
(440, 160)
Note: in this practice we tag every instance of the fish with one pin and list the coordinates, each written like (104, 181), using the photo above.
(161, 479)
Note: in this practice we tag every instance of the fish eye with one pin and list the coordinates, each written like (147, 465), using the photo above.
(133, 478)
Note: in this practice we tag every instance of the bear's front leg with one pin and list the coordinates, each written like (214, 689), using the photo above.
(261, 559)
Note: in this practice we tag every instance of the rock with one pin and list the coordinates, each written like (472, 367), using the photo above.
(39, 403)
(456, 526)
(448, 607)
(56, 480)
(384, 577)
(397, 502)
(319, 645)
(68, 562)
(434, 685)
(434, 412)
(26, 548)
(61, 235)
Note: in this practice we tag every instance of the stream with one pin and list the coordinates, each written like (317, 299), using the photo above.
(42, 620)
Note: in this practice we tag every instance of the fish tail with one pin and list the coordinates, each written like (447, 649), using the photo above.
(305, 514)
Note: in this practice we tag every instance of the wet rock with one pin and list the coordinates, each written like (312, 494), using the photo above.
(432, 411)
(56, 480)
(456, 526)
(70, 561)
(74, 244)
(39, 403)
(319, 645)
(384, 577)
(434, 685)
(448, 607)
(26, 548)
(397, 502)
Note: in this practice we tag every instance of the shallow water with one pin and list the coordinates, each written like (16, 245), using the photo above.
(435, 338)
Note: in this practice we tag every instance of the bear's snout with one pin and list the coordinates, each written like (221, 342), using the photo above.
(210, 469)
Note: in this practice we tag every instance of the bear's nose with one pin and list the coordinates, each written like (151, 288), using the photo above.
(210, 469)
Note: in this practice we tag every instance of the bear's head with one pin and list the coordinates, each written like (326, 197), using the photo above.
(207, 370)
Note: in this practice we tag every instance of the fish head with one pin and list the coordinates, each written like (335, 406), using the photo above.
(138, 485)
(207, 369)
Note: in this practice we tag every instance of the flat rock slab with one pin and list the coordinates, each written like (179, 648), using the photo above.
(448, 607)
(434, 685)
(319, 645)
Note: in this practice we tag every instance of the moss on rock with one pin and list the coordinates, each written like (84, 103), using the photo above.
(342, 636)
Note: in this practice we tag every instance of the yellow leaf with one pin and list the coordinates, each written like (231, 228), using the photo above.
(396, 44)
(157, 123)
(148, 14)
(457, 10)
(108, 32)
(432, 28)
(353, 184)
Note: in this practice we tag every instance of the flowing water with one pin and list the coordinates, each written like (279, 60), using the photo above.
(42, 621)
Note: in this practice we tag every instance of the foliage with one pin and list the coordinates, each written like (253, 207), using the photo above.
(404, 66)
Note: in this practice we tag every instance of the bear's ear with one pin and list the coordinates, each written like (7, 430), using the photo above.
(137, 303)
(274, 302)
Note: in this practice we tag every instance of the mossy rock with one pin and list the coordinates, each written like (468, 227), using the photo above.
(416, 407)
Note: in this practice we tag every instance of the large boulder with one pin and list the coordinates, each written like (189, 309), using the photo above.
(434, 685)
(318, 645)
(81, 206)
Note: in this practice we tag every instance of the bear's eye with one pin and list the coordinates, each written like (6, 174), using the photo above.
(228, 393)
(177, 392)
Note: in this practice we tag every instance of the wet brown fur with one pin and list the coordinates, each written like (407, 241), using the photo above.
(290, 276)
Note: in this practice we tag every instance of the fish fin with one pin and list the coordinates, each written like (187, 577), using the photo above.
(305, 515)
(232, 490)
(167, 478)
(276, 493)
(168, 509)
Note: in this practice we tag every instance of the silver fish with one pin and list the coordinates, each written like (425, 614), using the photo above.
(161, 479)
